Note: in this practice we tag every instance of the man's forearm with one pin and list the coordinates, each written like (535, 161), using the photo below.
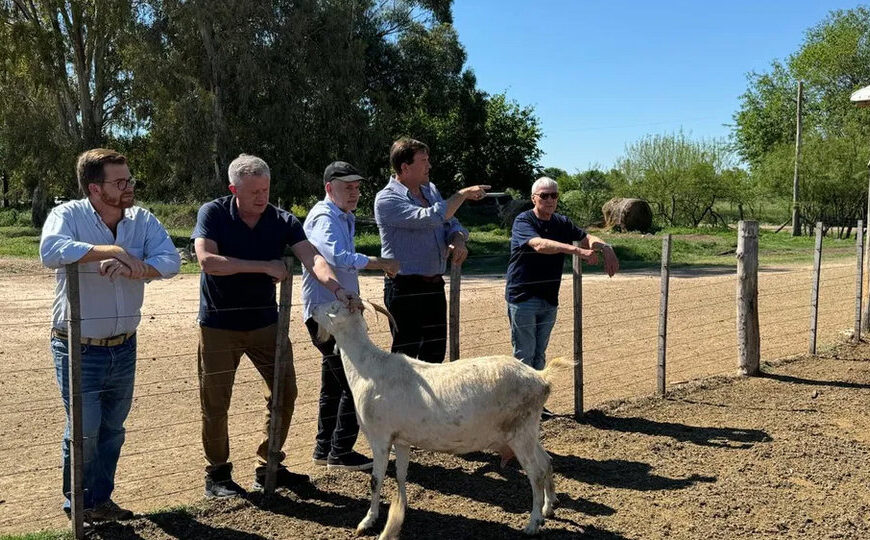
(219, 265)
(453, 204)
(101, 252)
(551, 247)
(324, 274)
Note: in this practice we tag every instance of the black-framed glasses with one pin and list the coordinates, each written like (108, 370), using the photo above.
(123, 183)
(548, 195)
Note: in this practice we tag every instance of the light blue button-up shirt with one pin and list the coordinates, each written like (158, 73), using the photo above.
(414, 234)
(107, 308)
(330, 229)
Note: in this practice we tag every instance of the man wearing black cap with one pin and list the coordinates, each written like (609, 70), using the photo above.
(330, 228)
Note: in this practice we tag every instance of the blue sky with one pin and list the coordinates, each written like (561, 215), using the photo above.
(601, 74)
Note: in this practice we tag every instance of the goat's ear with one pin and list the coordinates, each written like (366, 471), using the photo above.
(322, 335)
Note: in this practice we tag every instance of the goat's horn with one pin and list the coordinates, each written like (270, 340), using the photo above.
(393, 326)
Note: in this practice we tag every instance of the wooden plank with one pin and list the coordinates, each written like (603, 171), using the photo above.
(578, 335)
(663, 313)
(76, 452)
(283, 357)
(814, 298)
(455, 285)
(748, 336)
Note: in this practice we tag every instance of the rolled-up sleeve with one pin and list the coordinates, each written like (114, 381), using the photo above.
(160, 252)
(392, 209)
(56, 245)
(328, 242)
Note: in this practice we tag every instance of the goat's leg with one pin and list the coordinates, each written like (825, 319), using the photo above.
(397, 509)
(380, 454)
(546, 465)
(524, 448)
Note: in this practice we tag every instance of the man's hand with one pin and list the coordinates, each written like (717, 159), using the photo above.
(611, 263)
(113, 268)
(390, 267)
(457, 247)
(276, 269)
(588, 255)
(137, 268)
(475, 193)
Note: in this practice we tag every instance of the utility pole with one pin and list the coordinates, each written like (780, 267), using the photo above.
(795, 212)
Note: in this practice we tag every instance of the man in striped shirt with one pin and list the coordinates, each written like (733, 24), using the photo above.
(418, 228)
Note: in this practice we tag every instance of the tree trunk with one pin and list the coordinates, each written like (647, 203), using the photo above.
(219, 150)
(5, 179)
(39, 206)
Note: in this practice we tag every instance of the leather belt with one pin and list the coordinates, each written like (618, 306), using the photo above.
(98, 342)
(437, 278)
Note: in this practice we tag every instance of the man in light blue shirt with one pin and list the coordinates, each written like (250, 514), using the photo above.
(118, 247)
(418, 229)
(330, 228)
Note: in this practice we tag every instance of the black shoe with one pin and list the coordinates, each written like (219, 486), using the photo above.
(107, 511)
(284, 478)
(547, 414)
(319, 459)
(221, 489)
(352, 461)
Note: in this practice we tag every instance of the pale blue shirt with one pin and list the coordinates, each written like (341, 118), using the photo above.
(330, 229)
(107, 308)
(414, 234)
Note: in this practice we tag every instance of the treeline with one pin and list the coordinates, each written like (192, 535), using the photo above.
(183, 86)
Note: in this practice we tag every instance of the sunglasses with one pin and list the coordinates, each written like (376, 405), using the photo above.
(548, 195)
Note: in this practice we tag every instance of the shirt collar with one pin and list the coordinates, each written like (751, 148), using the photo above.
(336, 211)
(402, 189)
(128, 212)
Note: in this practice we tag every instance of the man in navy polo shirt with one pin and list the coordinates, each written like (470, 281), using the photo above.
(540, 239)
(240, 241)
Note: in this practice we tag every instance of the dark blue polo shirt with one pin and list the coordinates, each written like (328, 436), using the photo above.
(531, 274)
(242, 301)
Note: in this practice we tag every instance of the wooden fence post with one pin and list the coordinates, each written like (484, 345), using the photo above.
(814, 298)
(283, 356)
(859, 278)
(578, 335)
(748, 337)
(663, 312)
(76, 452)
(455, 284)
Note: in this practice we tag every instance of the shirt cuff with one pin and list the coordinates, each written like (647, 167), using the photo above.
(360, 261)
(72, 252)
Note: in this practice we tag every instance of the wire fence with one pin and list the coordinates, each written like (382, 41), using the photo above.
(162, 464)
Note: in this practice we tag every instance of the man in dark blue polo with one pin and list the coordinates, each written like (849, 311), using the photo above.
(239, 241)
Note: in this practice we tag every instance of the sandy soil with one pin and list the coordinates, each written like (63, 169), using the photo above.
(689, 461)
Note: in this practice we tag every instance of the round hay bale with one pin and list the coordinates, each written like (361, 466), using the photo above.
(627, 214)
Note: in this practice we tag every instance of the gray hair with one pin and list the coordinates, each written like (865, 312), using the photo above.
(544, 182)
(247, 165)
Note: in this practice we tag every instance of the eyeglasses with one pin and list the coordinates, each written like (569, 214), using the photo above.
(548, 195)
(123, 183)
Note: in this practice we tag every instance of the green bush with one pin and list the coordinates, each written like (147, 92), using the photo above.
(14, 217)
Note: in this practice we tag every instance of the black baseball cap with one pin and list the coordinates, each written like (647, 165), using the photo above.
(341, 171)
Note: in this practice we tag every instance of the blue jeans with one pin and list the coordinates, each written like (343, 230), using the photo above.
(107, 393)
(531, 324)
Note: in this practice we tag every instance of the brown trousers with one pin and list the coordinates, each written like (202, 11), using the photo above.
(218, 357)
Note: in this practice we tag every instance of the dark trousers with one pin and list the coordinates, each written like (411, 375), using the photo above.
(337, 428)
(419, 306)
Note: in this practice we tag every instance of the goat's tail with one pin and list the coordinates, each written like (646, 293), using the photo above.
(555, 364)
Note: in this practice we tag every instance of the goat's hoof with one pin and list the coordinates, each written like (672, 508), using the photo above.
(549, 511)
(533, 528)
(364, 526)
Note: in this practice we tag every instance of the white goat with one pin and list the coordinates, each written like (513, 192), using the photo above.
(490, 403)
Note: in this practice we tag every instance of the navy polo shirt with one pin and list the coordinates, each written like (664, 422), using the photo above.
(242, 301)
(536, 275)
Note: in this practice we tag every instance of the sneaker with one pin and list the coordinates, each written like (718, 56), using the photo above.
(547, 414)
(221, 489)
(108, 511)
(352, 461)
(319, 459)
(284, 478)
